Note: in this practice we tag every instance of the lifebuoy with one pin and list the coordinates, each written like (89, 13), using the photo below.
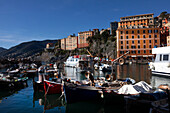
(121, 61)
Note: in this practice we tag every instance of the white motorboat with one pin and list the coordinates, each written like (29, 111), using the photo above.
(72, 61)
(161, 64)
(103, 67)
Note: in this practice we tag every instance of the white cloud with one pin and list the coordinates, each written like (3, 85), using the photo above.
(8, 38)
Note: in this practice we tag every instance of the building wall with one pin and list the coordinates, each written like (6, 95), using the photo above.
(63, 44)
(82, 38)
(71, 42)
(136, 21)
(164, 32)
(168, 40)
(113, 26)
(137, 35)
(138, 41)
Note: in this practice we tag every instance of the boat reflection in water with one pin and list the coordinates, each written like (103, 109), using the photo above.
(75, 74)
(134, 71)
(49, 101)
(158, 80)
(5, 94)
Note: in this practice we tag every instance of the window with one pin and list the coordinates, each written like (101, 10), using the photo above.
(150, 41)
(138, 31)
(132, 37)
(132, 42)
(121, 32)
(126, 37)
(165, 57)
(155, 41)
(150, 51)
(121, 47)
(155, 36)
(138, 51)
(134, 52)
(150, 46)
(121, 42)
(133, 47)
(138, 36)
(127, 47)
(127, 42)
(155, 31)
(143, 36)
(138, 46)
(121, 37)
(144, 41)
(149, 31)
(138, 41)
(126, 32)
(160, 58)
(144, 51)
(149, 36)
(144, 46)
(143, 31)
(132, 32)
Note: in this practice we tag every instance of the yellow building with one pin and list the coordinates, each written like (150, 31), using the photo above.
(63, 44)
(71, 42)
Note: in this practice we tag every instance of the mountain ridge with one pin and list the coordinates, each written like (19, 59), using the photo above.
(26, 49)
(2, 49)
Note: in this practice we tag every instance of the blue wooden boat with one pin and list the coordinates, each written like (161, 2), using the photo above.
(77, 93)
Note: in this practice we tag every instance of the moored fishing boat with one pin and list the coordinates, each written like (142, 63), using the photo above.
(72, 61)
(54, 86)
(134, 96)
(77, 93)
(161, 64)
(103, 67)
(12, 83)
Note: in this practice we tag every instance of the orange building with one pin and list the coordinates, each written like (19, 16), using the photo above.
(137, 35)
(82, 38)
(136, 21)
(71, 42)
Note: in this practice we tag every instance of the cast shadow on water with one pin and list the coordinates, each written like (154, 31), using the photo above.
(93, 107)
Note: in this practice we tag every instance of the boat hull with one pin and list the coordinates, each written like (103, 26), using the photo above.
(113, 98)
(75, 93)
(161, 73)
(52, 87)
(6, 85)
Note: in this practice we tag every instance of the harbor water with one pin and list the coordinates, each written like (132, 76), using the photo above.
(27, 101)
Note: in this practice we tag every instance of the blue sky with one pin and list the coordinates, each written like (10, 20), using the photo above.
(26, 20)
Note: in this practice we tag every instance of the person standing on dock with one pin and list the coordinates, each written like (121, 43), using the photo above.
(40, 73)
(90, 77)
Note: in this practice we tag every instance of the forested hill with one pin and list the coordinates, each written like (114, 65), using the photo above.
(26, 49)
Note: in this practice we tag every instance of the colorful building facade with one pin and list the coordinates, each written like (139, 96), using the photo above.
(63, 44)
(82, 38)
(164, 31)
(138, 35)
(71, 42)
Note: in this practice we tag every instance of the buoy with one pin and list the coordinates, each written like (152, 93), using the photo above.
(121, 61)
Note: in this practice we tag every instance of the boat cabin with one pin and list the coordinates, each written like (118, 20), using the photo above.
(162, 54)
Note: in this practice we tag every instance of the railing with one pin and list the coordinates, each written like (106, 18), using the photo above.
(120, 57)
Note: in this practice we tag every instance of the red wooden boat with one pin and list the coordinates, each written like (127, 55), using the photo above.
(52, 87)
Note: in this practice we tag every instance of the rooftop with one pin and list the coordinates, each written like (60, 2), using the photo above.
(137, 15)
